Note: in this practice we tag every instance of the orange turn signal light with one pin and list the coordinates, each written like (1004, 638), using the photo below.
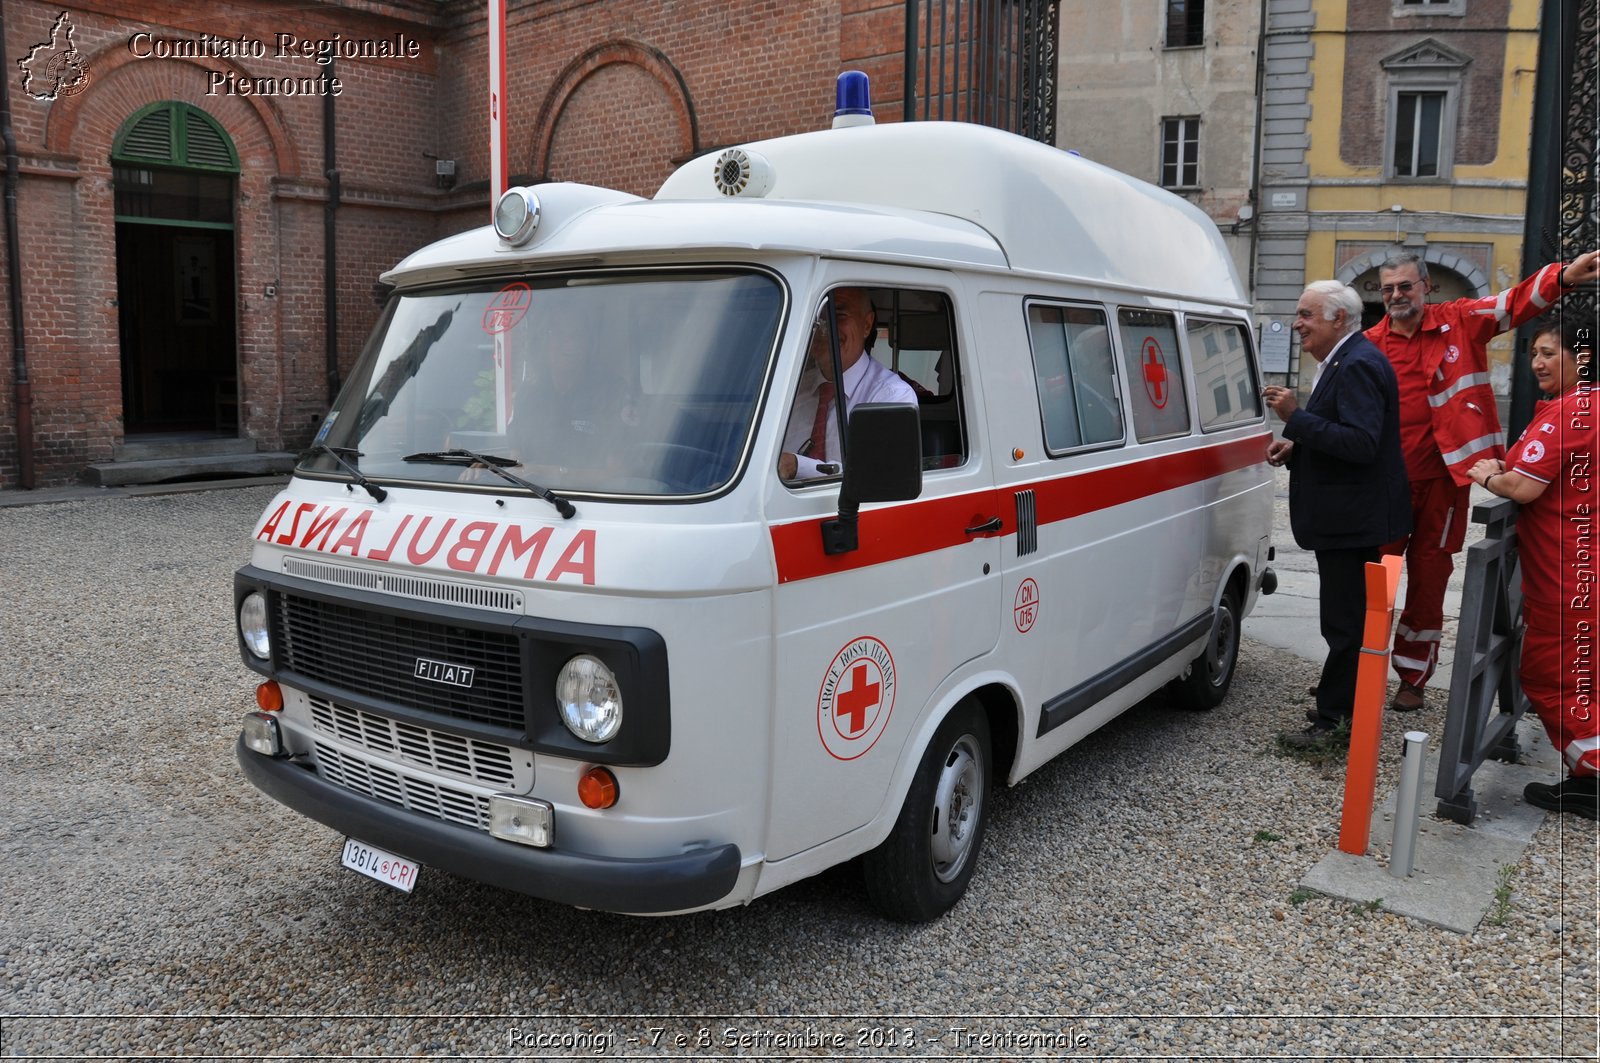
(597, 788)
(269, 696)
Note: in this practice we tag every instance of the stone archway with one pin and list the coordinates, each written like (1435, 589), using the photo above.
(82, 130)
(1476, 279)
(1457, 275)
(122, 84)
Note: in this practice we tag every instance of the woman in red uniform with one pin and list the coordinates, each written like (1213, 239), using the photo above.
(1551, 474)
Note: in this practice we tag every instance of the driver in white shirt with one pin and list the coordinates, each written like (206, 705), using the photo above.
(811, 443)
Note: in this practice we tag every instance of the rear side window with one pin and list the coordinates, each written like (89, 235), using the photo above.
(1225, 385)
(1155, 374)
(1077, 377)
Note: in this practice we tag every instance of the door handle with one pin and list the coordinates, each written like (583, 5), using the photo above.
(993, 524)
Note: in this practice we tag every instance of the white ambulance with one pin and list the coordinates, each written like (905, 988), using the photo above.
(538, 609)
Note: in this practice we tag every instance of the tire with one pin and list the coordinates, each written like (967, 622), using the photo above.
(1205, 687)
(923, 867)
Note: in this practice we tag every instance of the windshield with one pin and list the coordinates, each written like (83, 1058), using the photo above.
(593, 384)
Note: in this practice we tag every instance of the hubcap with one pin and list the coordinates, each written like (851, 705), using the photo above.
(957, 806)
(1224, 658)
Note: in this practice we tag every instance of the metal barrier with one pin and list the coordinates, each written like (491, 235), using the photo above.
(1488, 641)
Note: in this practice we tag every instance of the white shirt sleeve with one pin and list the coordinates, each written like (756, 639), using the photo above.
(867, 381)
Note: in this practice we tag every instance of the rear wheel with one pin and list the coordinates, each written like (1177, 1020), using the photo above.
(923, 867)
(1211, 673)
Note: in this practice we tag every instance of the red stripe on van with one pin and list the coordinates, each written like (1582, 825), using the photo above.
(926, 525)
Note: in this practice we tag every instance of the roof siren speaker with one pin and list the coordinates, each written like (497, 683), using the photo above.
(742, 173)
(853, 96)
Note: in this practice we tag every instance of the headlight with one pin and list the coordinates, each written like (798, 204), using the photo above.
(516, 216)
(590, 700)
(253, 624)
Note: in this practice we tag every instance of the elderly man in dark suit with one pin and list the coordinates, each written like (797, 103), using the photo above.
(1348, 493)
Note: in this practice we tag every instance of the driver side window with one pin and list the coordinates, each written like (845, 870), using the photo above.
(896, 345)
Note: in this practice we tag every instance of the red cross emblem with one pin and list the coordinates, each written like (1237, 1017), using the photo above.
(854, 703)
(856, 698)
(1155, 373)
(507, 308)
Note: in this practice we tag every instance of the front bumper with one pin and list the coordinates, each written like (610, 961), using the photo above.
(646, 886)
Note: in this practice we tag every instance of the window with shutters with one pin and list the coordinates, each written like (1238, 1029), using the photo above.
(173, 163)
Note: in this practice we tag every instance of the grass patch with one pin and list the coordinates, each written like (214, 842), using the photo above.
(1367, 907)
(1264, 836)
(1502, 897)
(1331, 748)
(1301, 896)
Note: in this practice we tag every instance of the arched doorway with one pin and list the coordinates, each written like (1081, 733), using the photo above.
(174, 171)
(1451, 275)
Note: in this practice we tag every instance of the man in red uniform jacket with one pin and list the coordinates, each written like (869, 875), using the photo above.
(1448, 422)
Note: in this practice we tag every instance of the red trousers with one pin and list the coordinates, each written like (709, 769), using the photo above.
(1558, 675)
(1439, 512)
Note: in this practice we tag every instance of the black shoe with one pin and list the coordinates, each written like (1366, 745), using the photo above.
(1578, 794)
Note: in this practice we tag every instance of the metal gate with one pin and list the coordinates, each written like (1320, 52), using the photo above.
(1580, 206)
(991, 62)
(1563, 214)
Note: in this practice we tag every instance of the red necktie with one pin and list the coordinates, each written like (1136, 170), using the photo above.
(819, 427)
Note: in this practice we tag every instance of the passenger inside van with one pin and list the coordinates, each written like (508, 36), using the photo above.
(811, 442)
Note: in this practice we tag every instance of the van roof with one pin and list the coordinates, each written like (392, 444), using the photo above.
(930, 192)
(1049, 210)
(582, 223)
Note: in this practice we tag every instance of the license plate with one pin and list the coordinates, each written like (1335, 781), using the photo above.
(387, 868)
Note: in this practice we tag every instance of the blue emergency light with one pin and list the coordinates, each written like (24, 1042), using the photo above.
(853, 100)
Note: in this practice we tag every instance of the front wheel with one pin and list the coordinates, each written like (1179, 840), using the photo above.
(923, 867)
(1211, 673)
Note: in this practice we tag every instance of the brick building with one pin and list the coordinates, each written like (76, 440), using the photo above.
(183, 170)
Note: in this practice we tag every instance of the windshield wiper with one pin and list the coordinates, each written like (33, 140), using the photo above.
(337, 454)
(497, 465)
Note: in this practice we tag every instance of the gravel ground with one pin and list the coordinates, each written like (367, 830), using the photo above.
(1137, 898)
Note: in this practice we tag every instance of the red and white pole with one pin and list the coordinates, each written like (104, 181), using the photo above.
(499, 171)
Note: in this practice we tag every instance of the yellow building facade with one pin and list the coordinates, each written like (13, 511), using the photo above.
(1413, 133)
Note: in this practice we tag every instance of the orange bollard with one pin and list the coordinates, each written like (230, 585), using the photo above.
(1372, 680)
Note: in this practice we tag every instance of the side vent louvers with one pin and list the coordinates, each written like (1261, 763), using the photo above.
(1027, 524)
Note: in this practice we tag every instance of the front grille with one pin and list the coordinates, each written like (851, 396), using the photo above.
(484, 763)
(383, 782)
(425, 588)
(376, 652)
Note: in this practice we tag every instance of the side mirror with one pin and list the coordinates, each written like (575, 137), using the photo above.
(884, 464)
